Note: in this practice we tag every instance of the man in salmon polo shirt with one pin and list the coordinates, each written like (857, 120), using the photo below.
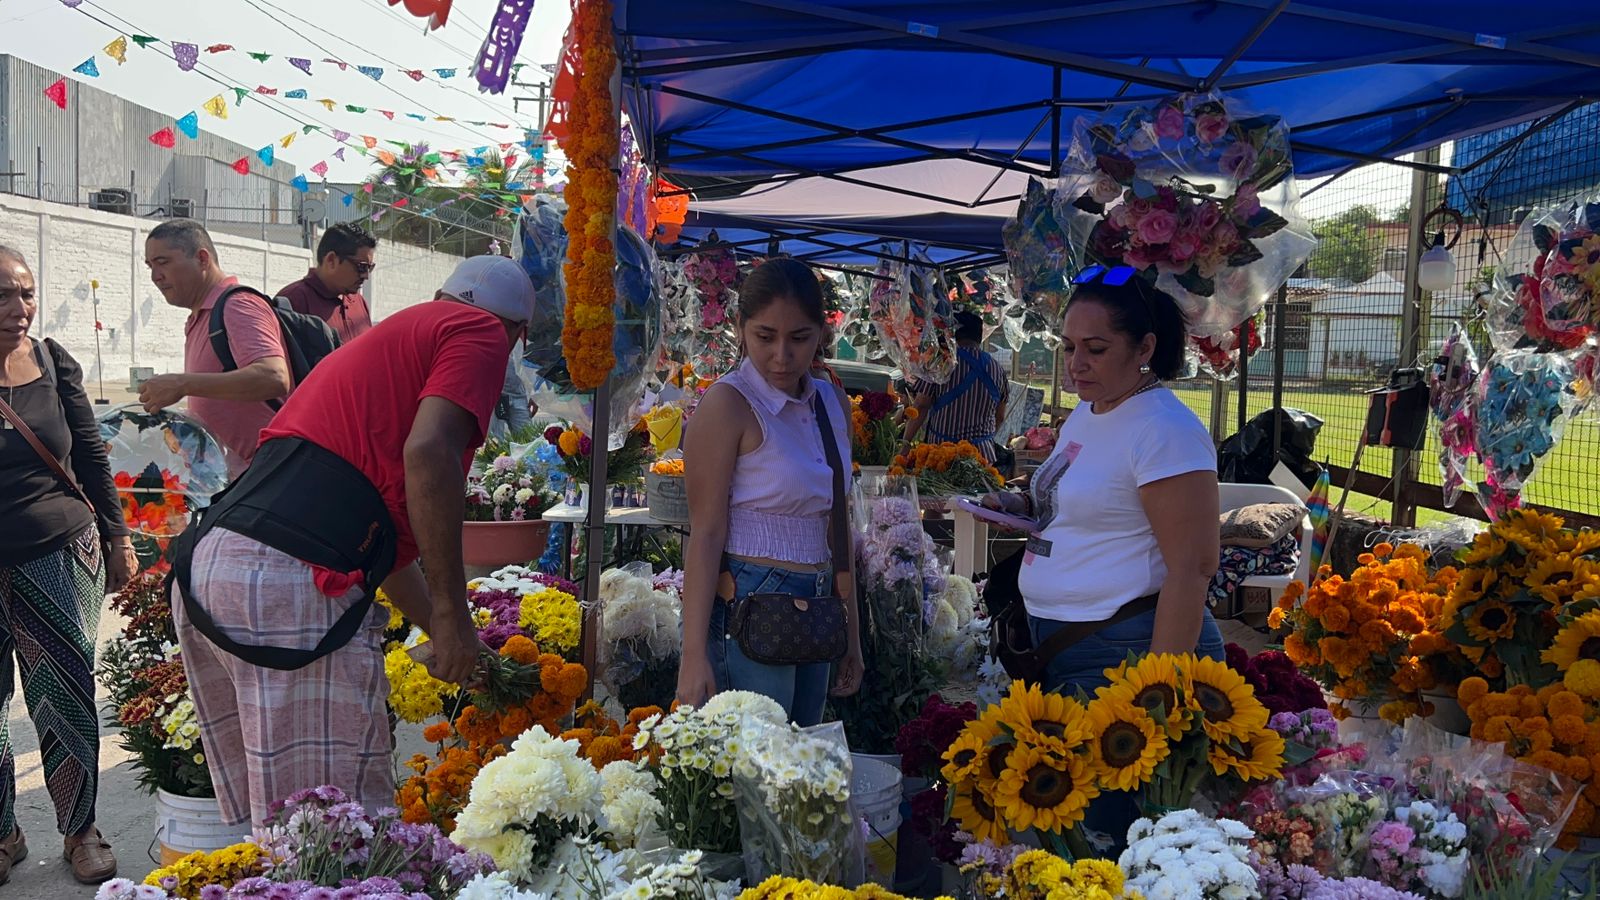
(360, 474)
(231, 405)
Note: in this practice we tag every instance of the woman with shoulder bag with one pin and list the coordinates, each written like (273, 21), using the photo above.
(53, 578)
(1126, 504)
(768, 599)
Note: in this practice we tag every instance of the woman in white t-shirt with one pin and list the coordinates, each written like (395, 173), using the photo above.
(1127, 501)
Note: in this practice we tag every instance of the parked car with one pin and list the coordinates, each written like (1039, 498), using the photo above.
(860, 377)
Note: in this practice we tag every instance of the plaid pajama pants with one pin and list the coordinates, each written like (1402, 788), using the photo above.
(268, 733)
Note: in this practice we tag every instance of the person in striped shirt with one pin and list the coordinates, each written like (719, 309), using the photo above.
(971, 403)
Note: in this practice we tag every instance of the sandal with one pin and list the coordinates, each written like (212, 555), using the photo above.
(91, 857)
(13, 849)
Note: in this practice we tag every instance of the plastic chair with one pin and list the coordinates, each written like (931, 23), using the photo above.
(1234, 496)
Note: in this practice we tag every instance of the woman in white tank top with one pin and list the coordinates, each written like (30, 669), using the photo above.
(760, 494)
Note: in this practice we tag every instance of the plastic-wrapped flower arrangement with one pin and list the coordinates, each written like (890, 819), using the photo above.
(639, 638)
(1450, 381)
(1518, 409)
(526, 803)
(1043, 249)
(1185, 854)
(165, 465)
(1198, 193)
(914, 319)
(713, 310)
(793, 796)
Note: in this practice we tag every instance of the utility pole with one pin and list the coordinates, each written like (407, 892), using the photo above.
(542, 98)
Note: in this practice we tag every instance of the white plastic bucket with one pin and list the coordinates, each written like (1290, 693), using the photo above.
(875, 788)
(187, 824)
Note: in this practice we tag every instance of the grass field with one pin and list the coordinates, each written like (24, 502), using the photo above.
(1568, 479)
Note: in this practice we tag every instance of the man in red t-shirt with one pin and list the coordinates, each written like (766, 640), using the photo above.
(403, 410)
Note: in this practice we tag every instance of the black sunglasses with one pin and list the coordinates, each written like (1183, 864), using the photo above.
(363, 268)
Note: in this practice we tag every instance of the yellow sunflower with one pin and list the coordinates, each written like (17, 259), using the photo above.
(1128, 744)
(1578, 639)
(1226, 703)
(1029, 712)
(1043, 790)
(1557, 577)
(975, 813)
(1491, 620)
(969, 752)
(1473, 585)
(1158, 684)
(1255, 757)
(1530, 528)
(1485, 549)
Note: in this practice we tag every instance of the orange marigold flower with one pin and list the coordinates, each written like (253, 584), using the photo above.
(1384, 549)
(1563, 702)
(520, 648)
(436, 733)
(1471, 690)
(1569, 730)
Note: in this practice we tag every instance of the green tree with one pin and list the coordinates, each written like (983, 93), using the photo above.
(1348, 247)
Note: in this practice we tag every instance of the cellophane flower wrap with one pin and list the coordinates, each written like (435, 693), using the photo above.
(541, 248)
(792, 792)
(915, 321)
(692, 753)
(713, 310)
(1185, 854)
(524, 804)
(1043, 249)
(164, 465)
(321, 837)
(898, 574)
(1519, 410)
(1195, 191)
(875, 427)
(1451, 378)
(511, 487)
(639, 637)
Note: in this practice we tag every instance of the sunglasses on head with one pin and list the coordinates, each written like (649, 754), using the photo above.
(1114, 276)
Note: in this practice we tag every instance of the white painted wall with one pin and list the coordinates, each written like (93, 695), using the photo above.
(69, 247)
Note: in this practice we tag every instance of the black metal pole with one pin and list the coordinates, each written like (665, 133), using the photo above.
(1279, 328)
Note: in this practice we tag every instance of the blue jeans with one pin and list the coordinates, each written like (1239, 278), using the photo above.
(1081, 667)
(802, 691)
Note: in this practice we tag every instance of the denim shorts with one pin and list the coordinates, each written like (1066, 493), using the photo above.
(1081, 667)
(801, 690)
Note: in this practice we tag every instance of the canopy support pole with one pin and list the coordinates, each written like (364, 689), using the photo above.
(1239, 49)
(1279, 328)
(1424, 187)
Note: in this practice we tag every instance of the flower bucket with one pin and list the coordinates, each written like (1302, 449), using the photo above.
(875, 791)
(1447, 713)
(185, 825)
(880, 471)
(667, 497)
(503, 543)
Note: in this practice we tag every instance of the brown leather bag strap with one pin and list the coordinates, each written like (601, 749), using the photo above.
(838, 536)
(39, 448)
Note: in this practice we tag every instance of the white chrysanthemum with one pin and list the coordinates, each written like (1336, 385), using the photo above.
(745, 704)
(495, 886)
(541, 778)
(629, 807)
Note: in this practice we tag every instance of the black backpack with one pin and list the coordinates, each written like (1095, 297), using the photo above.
(307, 339)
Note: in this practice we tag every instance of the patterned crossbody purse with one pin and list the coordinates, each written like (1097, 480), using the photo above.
(784, 630)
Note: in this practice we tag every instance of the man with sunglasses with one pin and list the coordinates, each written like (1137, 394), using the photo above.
(332, 290)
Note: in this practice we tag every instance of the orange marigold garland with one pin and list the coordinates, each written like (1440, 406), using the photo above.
(591, 194)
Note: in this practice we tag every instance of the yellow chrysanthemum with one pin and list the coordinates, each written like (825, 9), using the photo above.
(1029, 711)
(1578, 639)
(1491, 620)
(1158, 684)
(1044, 790)
(1128, 744)
(976, 814)
(1583, 679)
(1226, 703)
(1257, 757)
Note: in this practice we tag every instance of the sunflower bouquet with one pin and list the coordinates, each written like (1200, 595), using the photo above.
(1374, 638)
(1520, 607)
(948, 470)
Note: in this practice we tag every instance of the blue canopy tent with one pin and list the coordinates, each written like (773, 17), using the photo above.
(765, 90)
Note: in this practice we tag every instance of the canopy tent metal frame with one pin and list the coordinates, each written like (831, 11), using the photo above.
(973, 34)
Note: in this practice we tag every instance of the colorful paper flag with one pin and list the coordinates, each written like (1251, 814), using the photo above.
(242, 165)
(419, 118)
(297, 94)
(266, 155)
(414, 74)
(307, 129)
(1317, 504)
(186, 55)
(145, 40)
(339, 154)
(387, 114)
(355, 109)
(300, 183)
(118, 49)
(58, 93)
(219, 48)
(71, 4)
(164, 138)
(321, 169)
(263, 89)
(343, 66)
(190, 125)
(403, 201)
(369, 140)
(367, 187)
(445, 73)
(288, 139)
(328, 104)
(349, 198)
(260, 57)
(341, 136)
(386, 157)
(300, 63)
(87, 67)
(217, 106)
(373, 72)
(444, 118)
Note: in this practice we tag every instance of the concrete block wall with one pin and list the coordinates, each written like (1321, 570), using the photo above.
(69, 247)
